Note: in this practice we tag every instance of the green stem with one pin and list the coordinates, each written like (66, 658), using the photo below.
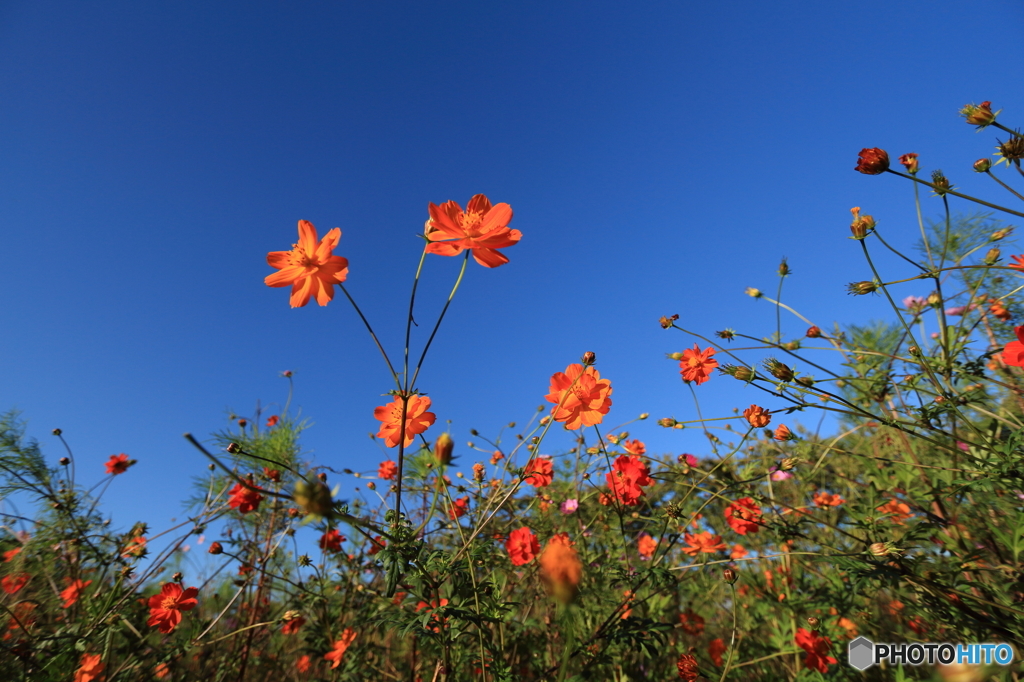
(1005, 186)
(440, 317)
(957, 194)
(409, 320)
(394, 374)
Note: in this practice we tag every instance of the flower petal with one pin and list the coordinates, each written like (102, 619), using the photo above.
(283, 278)
(489, 258)
(499, 216)
(445, 248)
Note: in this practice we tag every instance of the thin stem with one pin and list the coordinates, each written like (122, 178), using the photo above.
(394, 374)
(920, 224)
(409, 320)
(1005, 186)
(957, 194)
(440, 317)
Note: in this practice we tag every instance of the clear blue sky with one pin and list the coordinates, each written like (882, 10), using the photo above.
(659, 156)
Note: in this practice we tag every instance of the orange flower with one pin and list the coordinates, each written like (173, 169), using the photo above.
(166, 606)
(872, 161)
(538, 472)
(522, 546)
(692, 624)
(628, 476)
(561, 539)
(817, 648)
(1013, 354)
(813, 332)
(292, 626)
(715, 650)
(340, 647)
(302, 663)
(272, 422)
(900, 511)
(309, 267)
(377, 544)
(580, 396)
(635, 447)
(646, 546)
(997, 309)
(743, 516)
(910, 162)
(688, 668)
(782, 432)
(437, 622)
(703, 543)
(459, 508)
(244, 499)
(696, 364)
(387, 470)
(161, 671)
(481, 228)
(118, 464)
(331, 541)
(560, 569)
(758, 417)
(13, 583)
(417, 419)
(10, 554)
(72, 592)
(89, 668)
(738, 552)
(136, 547)
(824, 499)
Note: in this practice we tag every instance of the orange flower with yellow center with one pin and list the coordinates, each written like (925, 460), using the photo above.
(481, 228)
(417, 419)
(309, 267)
(703, 543)
(580, 396)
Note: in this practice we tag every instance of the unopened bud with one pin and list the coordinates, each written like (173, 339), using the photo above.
(57, 432)
(753, 293)
(729, 576)
(177, 576)
(216, 548)
(861, 225)
(371, 485)
(992, 257)
(784, 268)
(982, 165)
(322, 476)
(233, 448)
(941, 183)
(861, 288)
(443, 447)
(64, 461)
(643, 415)
(805, 381)
(588, 358)
(304, 560)
(788, 463)
(1001, 234)
(667, 422)
(934, 299)
(675, 356)
(778, 370)
(909, 162)
(666, 322)
(813, 332)
(979, 115)
(814, 623)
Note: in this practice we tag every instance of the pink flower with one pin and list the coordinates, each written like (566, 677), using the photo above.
(569, 506)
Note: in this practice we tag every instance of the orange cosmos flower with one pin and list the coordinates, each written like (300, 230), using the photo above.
(417, 419)
(1013, 354)
(436, 621)
(72, 592)
(10, 554)
(758, 417)
(522, 546)
(560, 569)
(689, 670)
(340, 647)
(244, 499)
(331, 541)
(166, 606)
(743, 516)
(691, 623)
(309, 267)
(272, 421)
(293, 625)
(635, 447)
(628, 476)
(738, 552)
(817, 648)
(459, 508)
(89, 668)
(481, 228)
(387, 470)
(161, 671)
(783, 433)
(118, 464)
(703, 543)
(900, 511)
(580, 396)
(12, 584)
(302, 663)
(824, 499)
(697, 364)
(646, 546)
(539, 472)
(715, 650)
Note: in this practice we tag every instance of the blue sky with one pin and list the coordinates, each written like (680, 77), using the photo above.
(660, 157)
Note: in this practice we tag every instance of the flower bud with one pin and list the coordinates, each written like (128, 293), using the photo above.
(667, 422)
(675, 356)
(233, 448)
(778, 370)
(813, 332)
(370, 485)
(304, 560)
(784, 268)
(941, 183)
(934, 299)
(814, 623)
(992, 257)
(979, 114)
(909, 162)
(643, 415)
(64, 461)
(243, 423)
(443, 447)
(588, 358)
(727, 334)
(861, 225)
(788, 464)
(982, 165)
(287, 374)
(313, 497)
(861, 288)
(783, 433)
(666, 322)
(753, 293)
(1000, 234)
(805, 381)
(872, 161)
(57, 432)
(216, 548)
(177, 577)
(323, 476)
(729, 576)
(1012, 150)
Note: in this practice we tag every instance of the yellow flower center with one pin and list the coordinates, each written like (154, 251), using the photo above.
(470, 223)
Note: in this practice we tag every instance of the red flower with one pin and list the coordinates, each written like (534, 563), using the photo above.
(166, 606)
(697, 364)
(244, 499)
(417, 419)
(1013, 354)
(459, 508)
(433, 605)
(216, 548)
(340, 647)
(522, 546)
(817, 648)
(272, 474)
(758, 417)
(580, 396)
(813, 332)
(688, 668)
(703, 543)
(692, 624)
(387, 470)
(309, 267)
(635, 447)
(872, 161)
(302, 663)
(13, 583)
(646, 546)
(118, 464)
(292, 626)
(909, 162)
(823, 499)
(481, 228)
(331, 541)
(628, 476)
(376, 545)
(272, 422)
(10, 554)
(743, 516)
(89, 668)
(72, 592)
(715, 650)
(538, 472)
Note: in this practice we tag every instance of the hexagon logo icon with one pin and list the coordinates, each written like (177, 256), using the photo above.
(861, 653)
